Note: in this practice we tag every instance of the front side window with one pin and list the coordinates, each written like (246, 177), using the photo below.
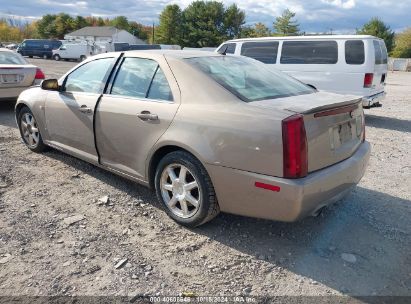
(309, 52)
(265, 52)
(141, 78)
(89, 77)
(249, 79)
(354, 52)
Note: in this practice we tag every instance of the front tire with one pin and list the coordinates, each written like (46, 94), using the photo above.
(184, 188)
(56, 57)
(29, 131)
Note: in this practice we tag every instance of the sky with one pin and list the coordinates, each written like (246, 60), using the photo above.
(338, 16)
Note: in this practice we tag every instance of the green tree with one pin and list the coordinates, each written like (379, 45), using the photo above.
(46, 26)
(138, 30)
(376, 27)
(80, 22)
(203, 24)
(402, 47)
(285, 25)
(120, 22)
(63, 24)
(234, 19)
(170, 28)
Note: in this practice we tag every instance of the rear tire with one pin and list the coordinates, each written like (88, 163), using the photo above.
(45, 56)
(82, 58)
(29, 131)
(56, 57)
(185, 190)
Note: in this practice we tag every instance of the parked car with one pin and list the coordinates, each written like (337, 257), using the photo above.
(344, 64)
(38, 47)
(208, 132)
(16, 74)
(73, 51)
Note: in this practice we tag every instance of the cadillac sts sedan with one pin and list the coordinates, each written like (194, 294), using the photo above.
(208, 132)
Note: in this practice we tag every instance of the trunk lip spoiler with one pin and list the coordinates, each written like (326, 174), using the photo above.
(324, 108)
(336, 111)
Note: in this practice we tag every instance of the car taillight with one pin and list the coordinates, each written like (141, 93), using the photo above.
(368, 77)
(39, 74)
(295, 159)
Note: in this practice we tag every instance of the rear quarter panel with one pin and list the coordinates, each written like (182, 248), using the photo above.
(220, 129)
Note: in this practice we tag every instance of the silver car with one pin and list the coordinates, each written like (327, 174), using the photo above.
(208, 132)
(16, 74)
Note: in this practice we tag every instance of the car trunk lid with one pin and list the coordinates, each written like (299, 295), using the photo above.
(16, 75)
(333, 125)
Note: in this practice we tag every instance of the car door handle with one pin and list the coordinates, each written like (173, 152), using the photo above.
(146, 115)
(86, 110)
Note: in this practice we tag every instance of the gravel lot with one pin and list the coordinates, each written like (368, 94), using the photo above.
(357, 247)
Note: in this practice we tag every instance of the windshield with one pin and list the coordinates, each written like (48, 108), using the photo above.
(249, 79)
(11, 58)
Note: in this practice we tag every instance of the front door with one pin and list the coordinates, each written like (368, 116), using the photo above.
(69, 112)
(135, 113)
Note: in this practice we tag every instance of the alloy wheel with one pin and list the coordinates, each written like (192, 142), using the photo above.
(180, 190)
(30, 130)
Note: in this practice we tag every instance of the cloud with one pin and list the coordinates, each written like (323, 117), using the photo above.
(348, 4)
(314, 15)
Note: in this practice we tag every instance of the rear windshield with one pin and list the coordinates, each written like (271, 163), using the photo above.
(354, 52)
(11, 58)
(249, 79)
(265, 52)
(309, 52)
(380, 52)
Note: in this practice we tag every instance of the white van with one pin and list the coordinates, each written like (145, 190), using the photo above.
(345, 64)
(73, 51)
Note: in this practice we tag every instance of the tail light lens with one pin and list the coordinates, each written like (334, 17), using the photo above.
(295, 159)
(368, 77)
(39, 74)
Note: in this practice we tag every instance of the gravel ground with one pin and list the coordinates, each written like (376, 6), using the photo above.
(57, 238)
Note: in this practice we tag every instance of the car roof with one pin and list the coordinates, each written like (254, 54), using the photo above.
(316, 37)
(176, 53)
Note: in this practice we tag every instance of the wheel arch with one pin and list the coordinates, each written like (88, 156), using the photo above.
(159, 153)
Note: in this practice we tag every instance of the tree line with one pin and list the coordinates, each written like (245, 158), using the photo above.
(200, 24)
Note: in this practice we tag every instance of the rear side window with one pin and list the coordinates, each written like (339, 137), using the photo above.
(309, 52)
(229, 48)
(265, 52)
(380, 52)
(354, 52)
(383, 52)
(141, 78)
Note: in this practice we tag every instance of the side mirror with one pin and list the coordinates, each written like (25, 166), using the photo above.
(50, 85)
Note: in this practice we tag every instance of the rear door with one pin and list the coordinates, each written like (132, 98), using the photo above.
(137, 109)
(69, 112)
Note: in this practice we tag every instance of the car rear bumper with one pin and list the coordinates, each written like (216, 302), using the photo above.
(296, 198)
(373, 100)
